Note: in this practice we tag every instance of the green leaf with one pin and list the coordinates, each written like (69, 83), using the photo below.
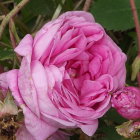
(113, 116)
(107, 124)
(6, 53)
(114, 14)
(68, 5)
(106, 132)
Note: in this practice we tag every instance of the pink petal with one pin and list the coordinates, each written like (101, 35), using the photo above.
(3, 81)
(12, 79)
(23, 134)
(41, 84)
(107, 81)
(59, 135)
(41, 46)
(91, 87)
(67, 37)
(87, 16)
(81, 43)
(50, 78)
(27, 88)
(66, 55)
(39, 77)
(95, 66)
(63, 122)
(25, 46)
(90, 129)
(104, 105)
(57, 74)
(37, 127)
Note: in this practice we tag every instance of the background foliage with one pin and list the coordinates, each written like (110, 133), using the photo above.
(114, 15)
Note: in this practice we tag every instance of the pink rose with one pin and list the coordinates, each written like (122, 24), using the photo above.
(66, 76)
(127, 102)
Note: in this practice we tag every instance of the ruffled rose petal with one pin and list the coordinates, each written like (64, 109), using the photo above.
(39, 129)
(12, 79)
(23, 134)
(90, 129)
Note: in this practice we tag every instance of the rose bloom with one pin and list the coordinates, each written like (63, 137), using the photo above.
(127, 102)
(66, 76)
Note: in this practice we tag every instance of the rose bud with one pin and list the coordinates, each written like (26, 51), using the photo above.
(66, 75)
(127, 102)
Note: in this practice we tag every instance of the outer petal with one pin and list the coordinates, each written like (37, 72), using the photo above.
(3, 83)
(65, 123)
(83, 14)
(37, 127)
(13, 85)
(41, 84)
(59, 135)
(23, 134)
(90, 129)
(26, 87)
(25, 47)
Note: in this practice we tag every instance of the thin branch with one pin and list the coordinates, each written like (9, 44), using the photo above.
(78, 4)
(13, 30)
(137, 26)
(21, 24)
(2, 17)
(36, 23)
(136, 21)
(58, 10)
(2, 44)
(14, 37)
(11, 14)
(87, 5)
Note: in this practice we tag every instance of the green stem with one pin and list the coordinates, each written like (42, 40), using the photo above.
(78, 4)
(137, 26)
(87, 5)
(58, 10)
(11, 14)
